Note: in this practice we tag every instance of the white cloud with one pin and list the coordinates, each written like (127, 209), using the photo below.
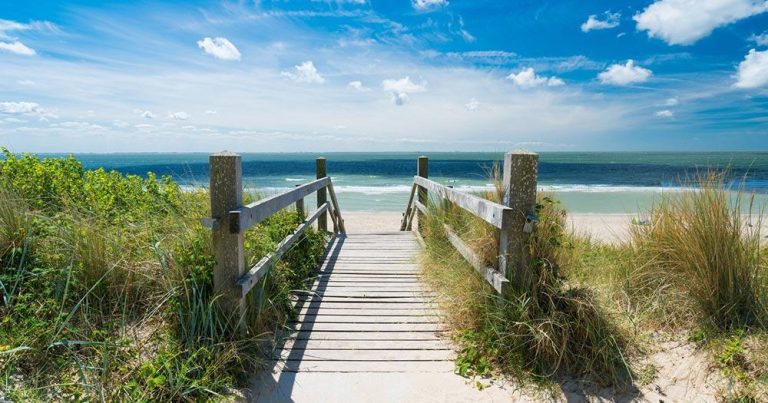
(211, 112)
(683, 22)
(671, 102)
(178, 115)
(401, 88)
(358, 85)
(25, 82)
(753, 71)
(20, 108)
(305, 73)
(429, 4)
(7, 26)
(593, 22)
(17, 48)
(220, 48)
(666, 113)
(120, 124)
(624, 74)
(760, 40)
(527, 78)
(144, 113)
(472, 105)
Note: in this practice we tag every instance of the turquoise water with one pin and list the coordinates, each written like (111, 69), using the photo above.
(586, 182)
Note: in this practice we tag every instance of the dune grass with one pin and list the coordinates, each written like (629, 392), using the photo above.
(107, 293)
(539, 332)
(698, 268)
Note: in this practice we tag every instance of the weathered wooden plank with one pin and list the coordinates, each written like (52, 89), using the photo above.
(397, 335)
(373, 306)
(370, 327)
(364, 355)
(321, 318)
(353, 287)
(491, 275)
(324, 310)
(434, 344)
(492, 213)
(260, 269)
(247, 216)
(408, 209)
(337, 210)
(368, 366)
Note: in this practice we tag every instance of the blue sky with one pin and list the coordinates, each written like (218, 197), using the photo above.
(358, 75)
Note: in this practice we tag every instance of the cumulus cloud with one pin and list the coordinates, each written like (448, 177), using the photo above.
(666, 113)
(178, 115)
(17, 48)
(683, 22)
(429, 4)
(760, 40)
(472, 105)
(304, 73)
(753, 71)
(527, 78)
(624, 74)
(593, 22)
(20, 108)
(671, 102)
(401, 88)
(144, 113)
(358, 85)
(220, 48)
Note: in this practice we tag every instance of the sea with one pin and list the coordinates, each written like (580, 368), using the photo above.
(585, 182)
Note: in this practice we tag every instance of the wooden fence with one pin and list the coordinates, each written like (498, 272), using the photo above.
(230, 219)
(514, 218)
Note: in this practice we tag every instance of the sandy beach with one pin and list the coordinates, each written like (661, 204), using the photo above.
(606, 228)
(601, 227)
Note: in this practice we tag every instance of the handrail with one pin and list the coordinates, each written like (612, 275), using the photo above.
(230, 219)
(247, 216)
(260, 269)
(493, 213)
(515, 219)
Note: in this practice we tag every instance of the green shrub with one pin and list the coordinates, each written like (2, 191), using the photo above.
(107, 287)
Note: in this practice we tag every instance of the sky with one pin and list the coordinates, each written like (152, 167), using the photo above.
(394, 75)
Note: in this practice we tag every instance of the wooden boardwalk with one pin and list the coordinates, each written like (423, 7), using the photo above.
(368, 311)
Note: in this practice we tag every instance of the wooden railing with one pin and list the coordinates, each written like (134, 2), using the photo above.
(230, 219)
(514, 218)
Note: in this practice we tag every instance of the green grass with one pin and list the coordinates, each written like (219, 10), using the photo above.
(591, 308)
(547, 328)
(106, 288)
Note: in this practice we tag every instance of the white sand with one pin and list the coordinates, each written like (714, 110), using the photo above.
(365, 222)
(609, 228)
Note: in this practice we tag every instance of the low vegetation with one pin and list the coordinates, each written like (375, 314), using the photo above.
(106, 287)
(697, 267)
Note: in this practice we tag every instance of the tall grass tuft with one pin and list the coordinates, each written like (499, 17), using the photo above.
(545, 329)
(705, 241)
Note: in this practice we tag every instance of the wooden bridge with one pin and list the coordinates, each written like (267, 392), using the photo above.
(367, 314)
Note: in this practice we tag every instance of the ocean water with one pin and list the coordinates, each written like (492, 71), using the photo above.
(586, 182)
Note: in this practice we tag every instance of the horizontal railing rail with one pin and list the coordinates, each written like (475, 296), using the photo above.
(230, 219)
(514, 218)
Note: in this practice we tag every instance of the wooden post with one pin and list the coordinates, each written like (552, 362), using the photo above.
(422, 170)
(226, 190)
(300, 207)
(322, 195)
(520, 178)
